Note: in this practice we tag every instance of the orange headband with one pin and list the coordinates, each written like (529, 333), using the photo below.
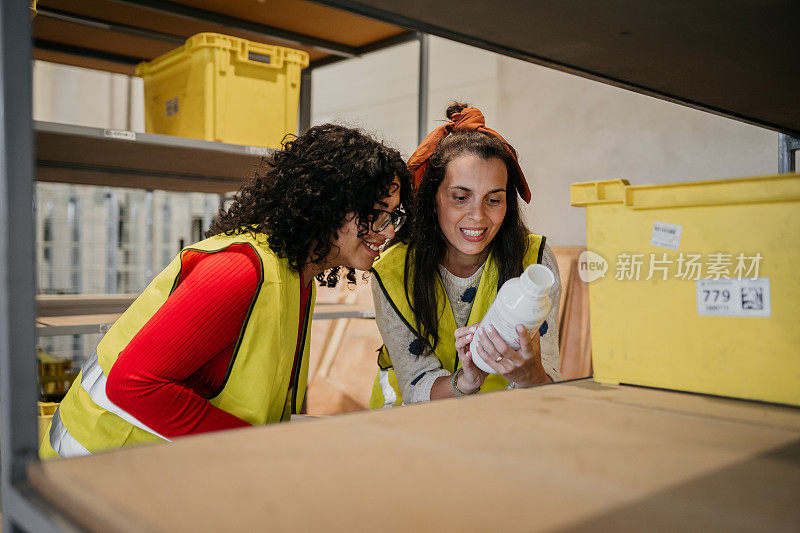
(469, 119)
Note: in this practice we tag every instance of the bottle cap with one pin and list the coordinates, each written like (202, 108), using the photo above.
(537, 280)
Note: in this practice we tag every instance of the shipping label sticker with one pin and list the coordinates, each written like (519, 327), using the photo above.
(733, 297)
(666, 235)
(120, 134)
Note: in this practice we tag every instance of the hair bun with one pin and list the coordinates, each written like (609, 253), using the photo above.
(455, 107)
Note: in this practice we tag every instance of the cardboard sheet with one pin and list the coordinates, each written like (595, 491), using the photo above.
(576, 456)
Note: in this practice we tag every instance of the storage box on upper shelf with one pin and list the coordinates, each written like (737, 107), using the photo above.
(221, 88)
(701, 289)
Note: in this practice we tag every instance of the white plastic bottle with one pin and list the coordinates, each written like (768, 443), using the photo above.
(524, 300)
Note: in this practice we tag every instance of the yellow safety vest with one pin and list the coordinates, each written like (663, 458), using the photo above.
(256, 388)
(388, 272)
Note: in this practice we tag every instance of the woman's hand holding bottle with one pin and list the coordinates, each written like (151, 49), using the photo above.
(471, 377)
(522, 366)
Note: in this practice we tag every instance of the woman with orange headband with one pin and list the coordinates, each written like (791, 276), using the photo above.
(433, 287)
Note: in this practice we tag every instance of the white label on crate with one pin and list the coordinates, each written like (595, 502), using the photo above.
(733, 297)
(666, 235)
(258, 150)
(120, 134)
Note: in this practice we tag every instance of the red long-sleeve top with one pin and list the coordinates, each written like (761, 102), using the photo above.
(181, 355)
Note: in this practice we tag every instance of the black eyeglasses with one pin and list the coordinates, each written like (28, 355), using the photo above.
(380, 219)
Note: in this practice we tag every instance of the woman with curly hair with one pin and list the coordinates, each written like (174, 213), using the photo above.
(219, 339)
(467, 238)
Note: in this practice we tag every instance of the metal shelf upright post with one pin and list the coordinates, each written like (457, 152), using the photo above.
(788, 145)
(22, 509)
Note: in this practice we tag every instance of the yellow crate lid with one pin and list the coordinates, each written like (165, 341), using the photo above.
(267, 55)
(776, 188)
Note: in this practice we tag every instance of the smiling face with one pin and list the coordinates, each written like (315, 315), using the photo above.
(360, 251)
(471, 206)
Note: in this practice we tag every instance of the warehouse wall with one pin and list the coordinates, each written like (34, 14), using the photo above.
(566, 128)
(570, 129)
(378, 92)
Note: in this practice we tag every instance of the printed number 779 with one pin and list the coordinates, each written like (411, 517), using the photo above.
(715, 295)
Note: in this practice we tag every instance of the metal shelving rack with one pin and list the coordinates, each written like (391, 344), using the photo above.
(598, 42)
(51, 325)
(94, 156)
(116, 158)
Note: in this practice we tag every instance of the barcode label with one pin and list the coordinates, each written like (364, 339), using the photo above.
(665, 235)
(733, 297)
(120, 134)
(172, 106)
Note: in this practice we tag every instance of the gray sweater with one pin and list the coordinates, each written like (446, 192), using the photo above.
(416, 373)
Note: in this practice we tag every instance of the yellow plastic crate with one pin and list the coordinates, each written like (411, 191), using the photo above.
(732, 336)
(222, 88)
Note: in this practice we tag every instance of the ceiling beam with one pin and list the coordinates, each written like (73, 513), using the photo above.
(109, 26)
(52, 46)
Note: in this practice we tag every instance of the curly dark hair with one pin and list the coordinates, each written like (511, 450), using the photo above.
(427, 243)
(304, 192)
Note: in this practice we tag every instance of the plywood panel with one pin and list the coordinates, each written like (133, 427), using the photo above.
(569, 456)
(575, 340)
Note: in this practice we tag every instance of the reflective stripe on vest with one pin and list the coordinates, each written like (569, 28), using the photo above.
(94, 383)
(62, 442)
(389, 394)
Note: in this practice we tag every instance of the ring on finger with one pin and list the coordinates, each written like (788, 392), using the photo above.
(499, 358)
